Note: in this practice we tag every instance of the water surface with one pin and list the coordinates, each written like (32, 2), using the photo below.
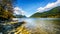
(42, 25)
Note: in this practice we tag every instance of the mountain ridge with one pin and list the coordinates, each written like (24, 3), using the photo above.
(53, 13)
(20, 16)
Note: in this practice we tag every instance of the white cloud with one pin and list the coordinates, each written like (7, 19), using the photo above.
(18, 11)
(49, 6)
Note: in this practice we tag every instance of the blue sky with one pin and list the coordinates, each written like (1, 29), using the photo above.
(31, 6)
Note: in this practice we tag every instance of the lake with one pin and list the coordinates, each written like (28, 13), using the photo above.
(42, 25)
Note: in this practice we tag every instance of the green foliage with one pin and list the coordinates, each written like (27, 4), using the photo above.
(53, 13)
(6, 10)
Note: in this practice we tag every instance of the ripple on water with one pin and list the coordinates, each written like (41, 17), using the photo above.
(47, 25)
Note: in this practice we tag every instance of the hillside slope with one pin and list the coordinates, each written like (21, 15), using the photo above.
(53, 13)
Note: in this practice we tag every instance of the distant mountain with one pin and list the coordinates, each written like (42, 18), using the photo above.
(20, 16)
(53, 13)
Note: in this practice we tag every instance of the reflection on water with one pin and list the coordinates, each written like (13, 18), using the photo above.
(42, 25)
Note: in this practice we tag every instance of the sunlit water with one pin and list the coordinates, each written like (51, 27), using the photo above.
(46, 25)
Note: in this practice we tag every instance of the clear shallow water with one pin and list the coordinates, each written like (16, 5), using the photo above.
(42, 25)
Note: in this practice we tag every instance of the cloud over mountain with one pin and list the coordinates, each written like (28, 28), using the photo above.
(49, 6)
(18, 11)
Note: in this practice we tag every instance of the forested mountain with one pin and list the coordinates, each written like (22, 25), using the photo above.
(53, 13)
(20, 16)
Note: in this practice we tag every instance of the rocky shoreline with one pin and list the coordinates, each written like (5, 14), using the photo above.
(5, 28)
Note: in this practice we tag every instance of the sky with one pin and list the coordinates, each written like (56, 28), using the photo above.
(29, 7)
